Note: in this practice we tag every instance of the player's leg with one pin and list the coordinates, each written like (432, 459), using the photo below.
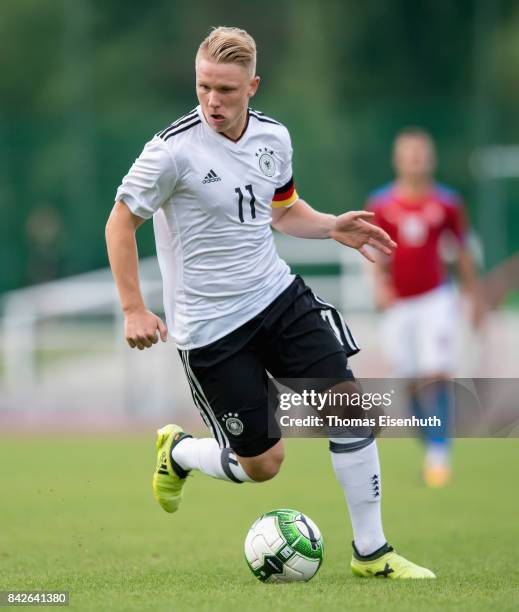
(400, 343)
(437, 358)
(357, 468)
(416, 341)
(265, 465)
(433, 394)
(321, 338)
(204, 455)
(354, 457)
(232, 398)
(398, 338)
(311, 344)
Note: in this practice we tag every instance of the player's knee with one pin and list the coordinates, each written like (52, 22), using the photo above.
(263, 472)
(266, 466)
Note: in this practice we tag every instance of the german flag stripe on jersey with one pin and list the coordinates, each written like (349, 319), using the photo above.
(285, 196)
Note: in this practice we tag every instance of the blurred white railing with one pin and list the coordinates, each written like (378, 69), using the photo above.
(63, 350)
(64, 361)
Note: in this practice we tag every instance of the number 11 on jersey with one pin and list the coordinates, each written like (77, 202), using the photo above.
(251, 202)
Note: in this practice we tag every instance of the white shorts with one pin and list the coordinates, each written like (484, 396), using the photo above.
(419, 334)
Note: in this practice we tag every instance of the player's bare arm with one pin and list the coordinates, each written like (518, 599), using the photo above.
(470, 285)
(140, 325)
(351, 229)
(384, 293)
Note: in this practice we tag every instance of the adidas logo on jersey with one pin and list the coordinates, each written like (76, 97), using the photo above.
(211, 177)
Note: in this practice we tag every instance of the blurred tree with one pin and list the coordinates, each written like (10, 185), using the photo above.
(86, 82)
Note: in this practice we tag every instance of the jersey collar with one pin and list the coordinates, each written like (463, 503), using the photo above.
(415, 202)
(221, 138)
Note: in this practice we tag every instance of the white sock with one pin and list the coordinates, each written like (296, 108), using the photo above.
(437, 455)
(205, 455)
(358, 472)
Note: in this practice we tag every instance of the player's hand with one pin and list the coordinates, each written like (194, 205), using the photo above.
(142, 329)
(353, 229)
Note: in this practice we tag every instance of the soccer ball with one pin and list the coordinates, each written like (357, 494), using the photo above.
(284, 546)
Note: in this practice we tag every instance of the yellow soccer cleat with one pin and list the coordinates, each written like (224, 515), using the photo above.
(169, 477)
(387, 564)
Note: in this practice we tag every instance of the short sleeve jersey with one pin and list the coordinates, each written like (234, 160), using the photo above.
(417, 226)
(211, 200)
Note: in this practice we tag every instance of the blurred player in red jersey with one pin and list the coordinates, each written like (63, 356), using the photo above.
(412, 288)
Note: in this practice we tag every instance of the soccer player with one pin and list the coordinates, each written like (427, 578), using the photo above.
(215, 181)
(411, 287)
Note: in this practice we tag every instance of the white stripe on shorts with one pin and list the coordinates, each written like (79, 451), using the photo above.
(347, 334)
(203, 404)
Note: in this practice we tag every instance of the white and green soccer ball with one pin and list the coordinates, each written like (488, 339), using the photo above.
(284, 546)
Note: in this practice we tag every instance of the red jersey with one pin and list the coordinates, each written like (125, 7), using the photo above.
(416, 226)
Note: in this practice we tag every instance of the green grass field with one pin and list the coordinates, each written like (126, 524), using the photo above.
(77, 514)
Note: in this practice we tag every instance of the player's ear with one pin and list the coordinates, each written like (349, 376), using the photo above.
(253, 86)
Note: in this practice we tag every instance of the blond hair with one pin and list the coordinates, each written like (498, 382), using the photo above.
(229, 46)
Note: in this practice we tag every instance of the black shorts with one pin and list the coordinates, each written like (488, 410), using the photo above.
(297, 336)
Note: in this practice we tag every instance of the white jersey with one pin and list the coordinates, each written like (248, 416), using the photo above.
(211, 200)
